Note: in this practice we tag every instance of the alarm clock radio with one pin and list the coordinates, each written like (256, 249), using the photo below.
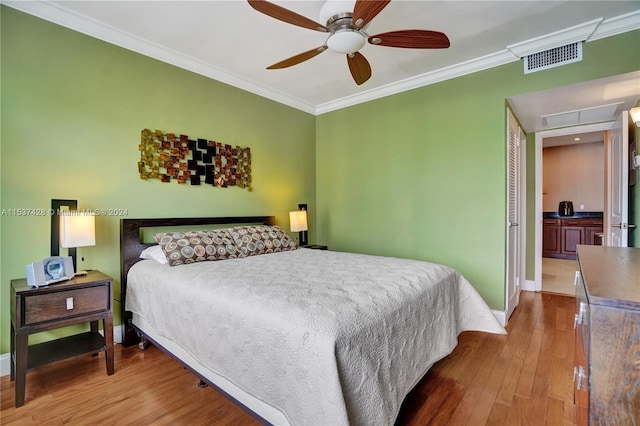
(50, 270)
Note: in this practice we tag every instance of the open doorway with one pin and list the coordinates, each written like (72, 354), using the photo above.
(592, 106)
(573, 200)
(539, 229)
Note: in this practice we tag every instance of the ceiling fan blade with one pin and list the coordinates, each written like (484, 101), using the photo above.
(295, 60)
(365, 10)
(285, 15)
(359, 67)
(413, 39)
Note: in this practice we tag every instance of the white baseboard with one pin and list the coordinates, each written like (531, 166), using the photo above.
(529, 285)
(117, 334)
(5, 359)
(500, 316)
(5, 364)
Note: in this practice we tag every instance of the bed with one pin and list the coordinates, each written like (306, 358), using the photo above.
(299, 336)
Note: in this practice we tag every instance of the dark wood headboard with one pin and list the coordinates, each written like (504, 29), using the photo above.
(131, 246)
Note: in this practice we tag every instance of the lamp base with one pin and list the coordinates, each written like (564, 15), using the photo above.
(303, 239)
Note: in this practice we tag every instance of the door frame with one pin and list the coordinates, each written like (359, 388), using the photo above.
(617, 180)
(537, 284)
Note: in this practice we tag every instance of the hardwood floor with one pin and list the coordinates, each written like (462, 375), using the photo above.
(523, 378)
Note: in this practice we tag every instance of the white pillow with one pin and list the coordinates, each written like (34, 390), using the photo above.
(155, 253)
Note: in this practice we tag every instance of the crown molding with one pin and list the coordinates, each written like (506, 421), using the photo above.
(566, 36)
(618, 25)
(67, 18)
(447, 73)
(589, 31)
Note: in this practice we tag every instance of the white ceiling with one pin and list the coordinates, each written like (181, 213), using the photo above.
(233, 43)
(590, 137)
(578, 104)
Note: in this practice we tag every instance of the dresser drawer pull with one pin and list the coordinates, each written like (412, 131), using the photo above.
(579, 317)
(579, 377)
(69, 303)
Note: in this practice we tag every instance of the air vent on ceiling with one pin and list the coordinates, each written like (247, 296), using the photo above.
(553, 57)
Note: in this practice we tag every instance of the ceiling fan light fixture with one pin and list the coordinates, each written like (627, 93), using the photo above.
(346, 22)
(346, 41)
(332, 8)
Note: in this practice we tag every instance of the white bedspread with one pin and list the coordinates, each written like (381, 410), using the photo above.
(327, 338)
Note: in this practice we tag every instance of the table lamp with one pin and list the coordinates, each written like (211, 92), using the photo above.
(77, 230)
(298, 223)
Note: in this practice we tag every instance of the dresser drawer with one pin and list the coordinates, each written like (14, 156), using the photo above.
(64, 304)
(581, 383)
(592, 222)
(582, 315)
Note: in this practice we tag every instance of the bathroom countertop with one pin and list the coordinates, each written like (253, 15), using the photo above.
(576, 215)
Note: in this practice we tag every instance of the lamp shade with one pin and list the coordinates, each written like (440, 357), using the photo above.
(77, 230)
(298, 220)
(345, 41)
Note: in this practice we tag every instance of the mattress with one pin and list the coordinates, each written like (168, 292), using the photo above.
(310, 336)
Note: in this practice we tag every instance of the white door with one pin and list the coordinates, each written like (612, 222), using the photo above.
(513, 267)
(616, 226)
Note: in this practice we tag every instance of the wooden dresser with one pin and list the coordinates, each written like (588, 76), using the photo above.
(607, 337)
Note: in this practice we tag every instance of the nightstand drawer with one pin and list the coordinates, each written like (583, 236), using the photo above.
(63, 304)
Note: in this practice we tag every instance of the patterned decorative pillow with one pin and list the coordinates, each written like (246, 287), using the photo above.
(197, 246)
(261, 239)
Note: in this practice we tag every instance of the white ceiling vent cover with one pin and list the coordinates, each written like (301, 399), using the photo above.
(551, 58)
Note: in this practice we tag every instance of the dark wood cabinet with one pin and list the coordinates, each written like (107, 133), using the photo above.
(571, 236)
(593, 235)
(560, 237)
(551, 237)
(607, 336)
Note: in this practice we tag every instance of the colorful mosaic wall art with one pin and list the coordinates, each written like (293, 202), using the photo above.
(167, 157)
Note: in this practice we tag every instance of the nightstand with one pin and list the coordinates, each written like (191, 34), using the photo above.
(79, 300)
(315, 247)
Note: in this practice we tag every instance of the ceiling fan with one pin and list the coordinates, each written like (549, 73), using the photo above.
(347, 34)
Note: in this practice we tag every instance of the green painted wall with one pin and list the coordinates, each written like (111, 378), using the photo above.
(72, 111)
(421, 174)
